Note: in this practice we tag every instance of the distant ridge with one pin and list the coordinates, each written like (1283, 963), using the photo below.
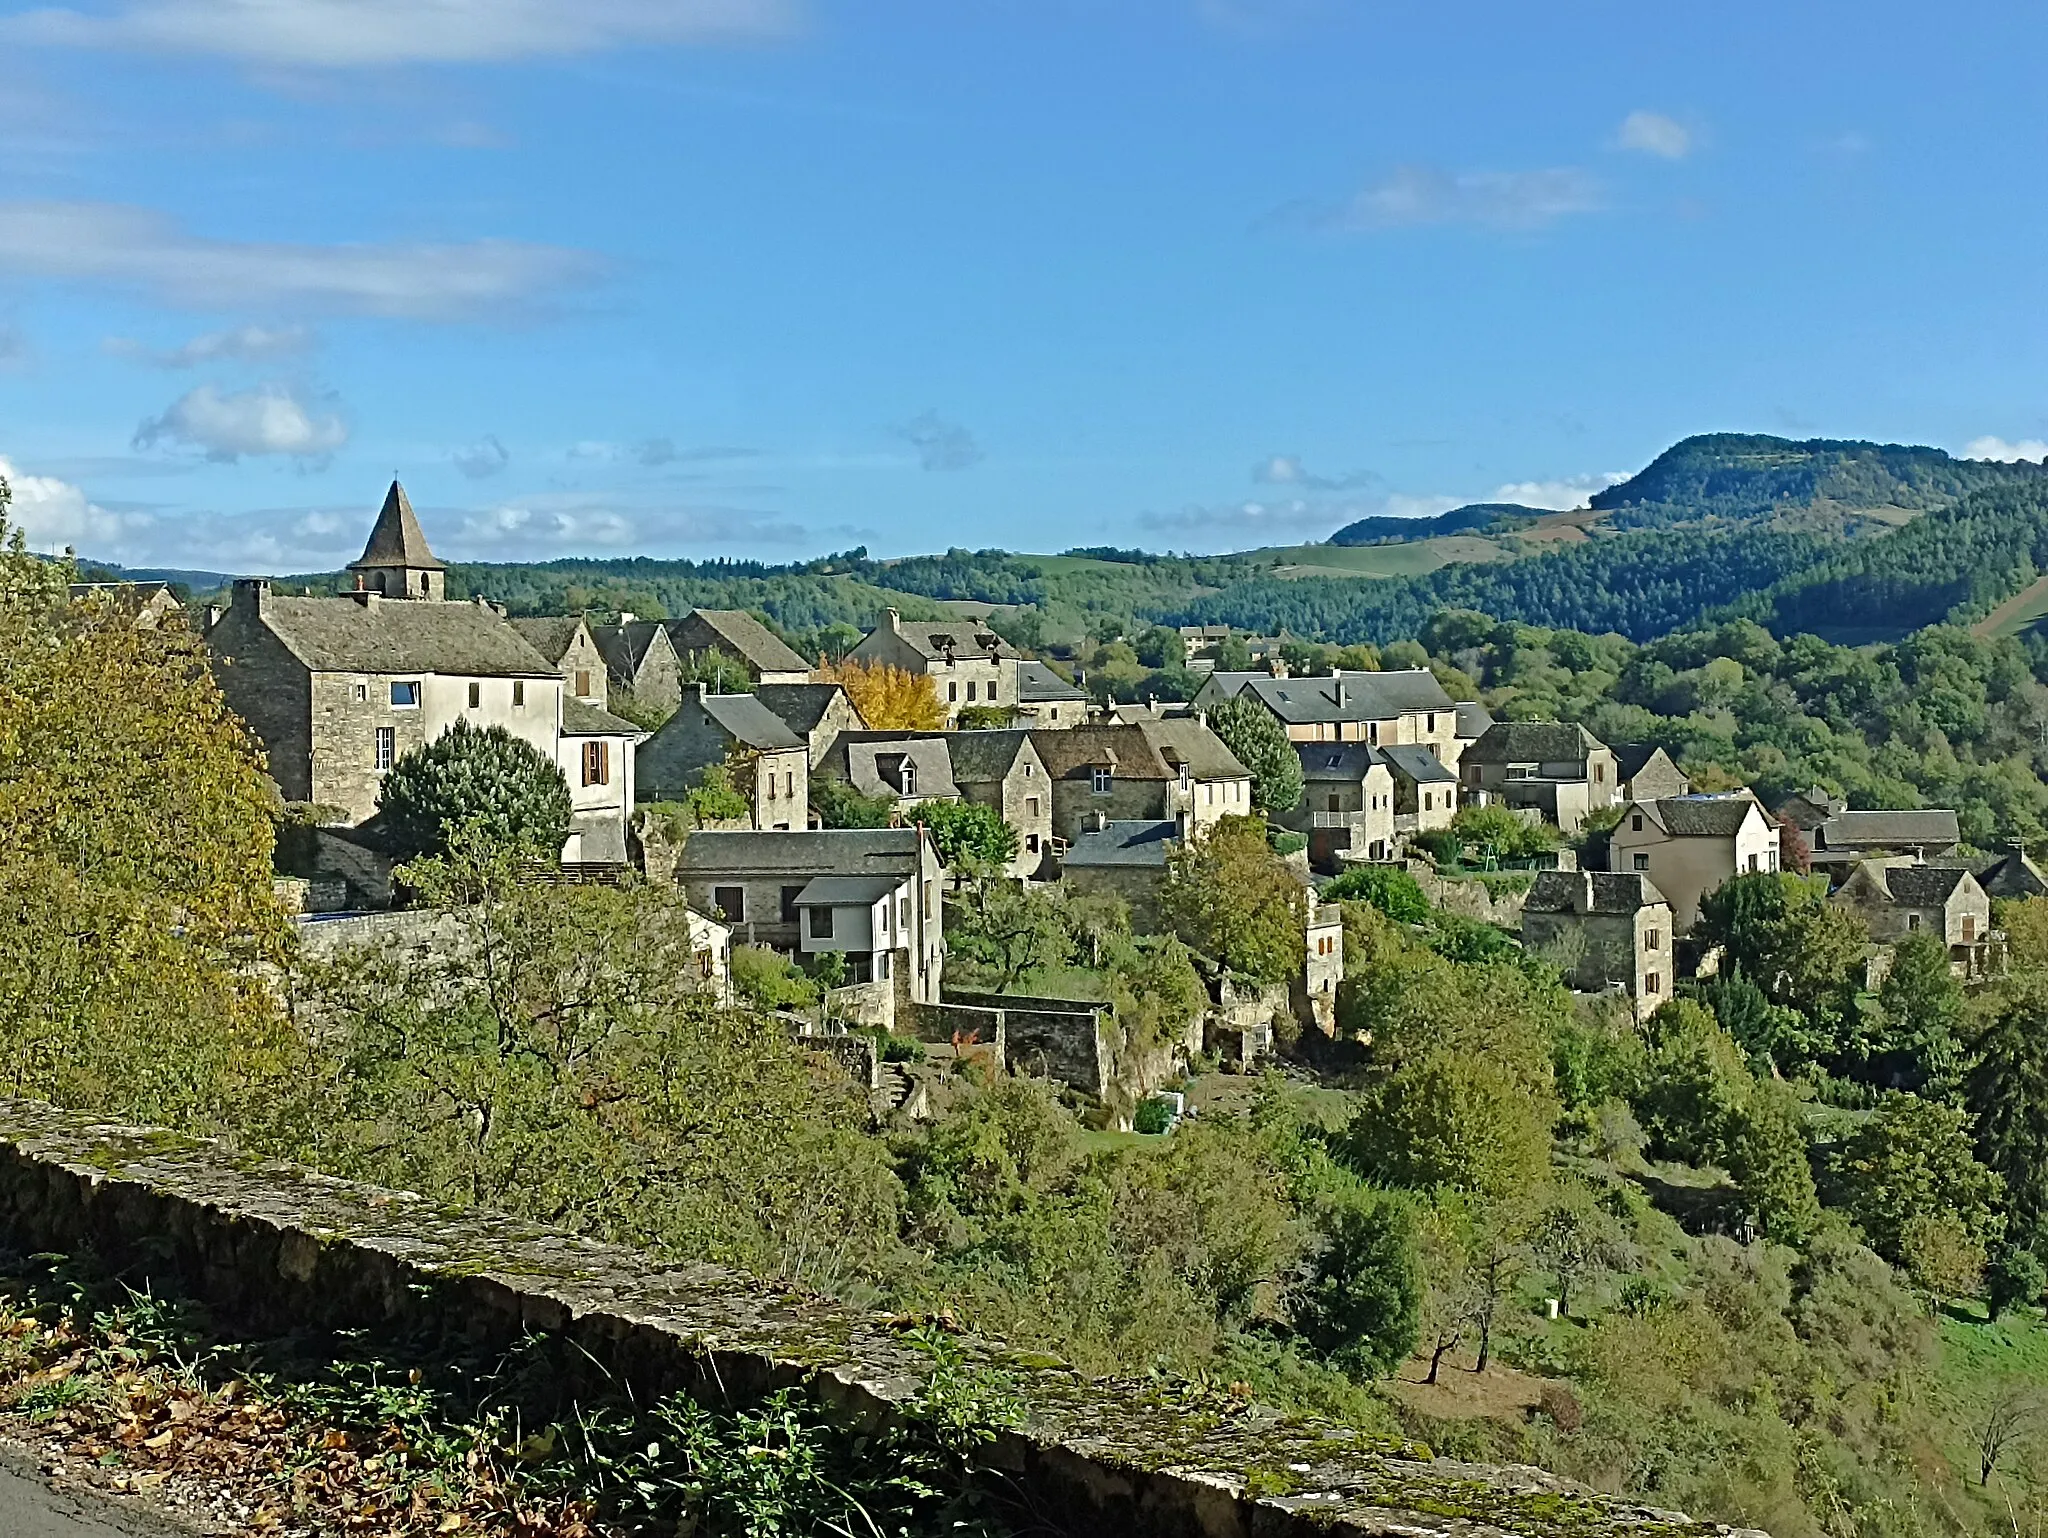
(1473, 518)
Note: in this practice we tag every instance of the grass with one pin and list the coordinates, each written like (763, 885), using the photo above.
(2029, 604)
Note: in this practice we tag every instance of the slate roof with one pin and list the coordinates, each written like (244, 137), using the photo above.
(581, 720)
(1699, 816)
(127, 597)
(1414, 761)
(624, 647)
(399, 635)
(1473, 720)
(2013, 875)
(748, 722)
(1138, 842)
(1849, 829)
(1139, 751)
(813, 851)
(1364, 696)
(1348, 762)
(963, 637)
(1618, 892)
(1923, 886)
(982, 757)
(1038, 684)
(847, 891)
(1629, 758)
(763, 650)
(801, 706)
(869, 761)
(396, 538)
(1531, 742)
(1185, 740)
(549, 635)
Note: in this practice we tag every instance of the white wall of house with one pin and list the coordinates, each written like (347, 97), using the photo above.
(1687, 867)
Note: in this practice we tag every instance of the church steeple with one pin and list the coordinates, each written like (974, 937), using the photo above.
(396, 562)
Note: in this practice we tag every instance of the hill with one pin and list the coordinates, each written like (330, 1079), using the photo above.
(1474, 518)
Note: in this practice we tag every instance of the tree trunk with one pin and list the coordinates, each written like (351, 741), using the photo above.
(1444, 1345)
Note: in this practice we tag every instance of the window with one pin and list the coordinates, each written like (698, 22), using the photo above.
(1472, 773)
(1599, 774)
(1031, 843)
(387, 746)
(582, 681)
(518, 694)
(1639, 861)
(1031, 806)
(1428, 801)
(970, 691)
(1651, 983)
(406, 696)
(476, 694)
(1336, 802)
(1912, 921)
(952, 692)
(821, 923)
(1635, 824)
(902, 912)
(1652, 939)
(908, 774)
(703, 963)
(1969, 929)
(362, 693)
(789, 896)
(730, 901)
(1372, 732)
(597, 763)
(1099, 780)
(882, 966)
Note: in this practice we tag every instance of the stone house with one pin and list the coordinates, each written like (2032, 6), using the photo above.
(642, 664)
(1847, 837)
(2012, 875)
(1199, 645)
(1608, 930)
(769, 763)
(1403, 707)
(967, 662)
(1808, 809)
(1322, 968)
(908, 768)
(1557, 769)
(1689, 845)
(1149, 771)
(565, 641)
(338, 689)
(1647, 773)
(736, 634)
(1045, 699)
(1425, 789)
(1945, 901)
(1003, 770)
(1123, 857)
(1347, 803)
(818, 713)
(756, 883)
(1474, 720)
(711, 949)
(145, 605)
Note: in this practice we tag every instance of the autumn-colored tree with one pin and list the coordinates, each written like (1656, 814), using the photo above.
(1235, 901)
(889, 698)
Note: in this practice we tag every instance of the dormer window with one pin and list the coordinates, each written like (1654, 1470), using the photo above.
(908, 776)
(1099, 779)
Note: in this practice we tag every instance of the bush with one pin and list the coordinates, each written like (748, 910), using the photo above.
(1286, 842)
(1362, 1304)
(839, 805)
(1152, 1117)
(766, 979)
(2015, 1278)
(480, 783)
(714, 798)
(1387, 887)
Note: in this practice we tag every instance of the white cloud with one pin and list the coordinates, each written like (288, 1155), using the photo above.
(139, 249)
(243, 344)
(1560, 495)
(1998, 448)
(54, 514)
(347, 34)
(1288, 470)
(269, 419)
(486, 457)
(941, 445)
(1422, 195)
(539, 527)
(1653, 133)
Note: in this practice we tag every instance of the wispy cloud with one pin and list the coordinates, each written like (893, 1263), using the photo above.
(1417, 195)
(539, 527)
(1652, 133)
(243, 344)
(270, 419)
(136, 248)
(941, 445)
(1998, 448)
(1561, 495)
(486, 457)
(353, 34)
(1288, 470)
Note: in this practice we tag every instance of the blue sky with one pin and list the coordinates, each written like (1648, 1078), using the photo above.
(777, 277)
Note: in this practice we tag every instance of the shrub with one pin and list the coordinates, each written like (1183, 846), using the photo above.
(1362, 1304)
(2015, 1278)
(1286, 842)
(1152, 1117)
(1260, 743)
(767, 980)
(480, 783)
(1387, 887)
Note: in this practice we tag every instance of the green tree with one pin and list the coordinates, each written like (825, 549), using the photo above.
(1007, 929)
(1362, 1302)
(1768, 1162)
(2013, 1278)
(2006, 1091)
(1694, 1085)
(968, 835)
(1914, 1159)
(839, 805)
(1920, 1010)
(1499, 833)
(1788, 939)
(1233, 900)
(1387, 887)
(480, 784)
(1260, 743)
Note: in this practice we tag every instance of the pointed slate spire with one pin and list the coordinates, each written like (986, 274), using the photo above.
(397, 540)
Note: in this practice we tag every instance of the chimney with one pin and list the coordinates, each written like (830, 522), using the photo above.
(1095, 822)
(1340, 691)
(892, 620)
(626, 618)
(252, 594)
(366, 598)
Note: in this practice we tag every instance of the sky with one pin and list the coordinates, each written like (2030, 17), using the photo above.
(772, 278)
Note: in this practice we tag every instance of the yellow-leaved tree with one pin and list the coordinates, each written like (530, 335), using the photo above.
(888, 698)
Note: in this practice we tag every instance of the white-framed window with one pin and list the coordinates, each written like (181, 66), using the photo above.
(1100, 780)
(970, 691)
(597, 763)
(387, 747)
(1639, 861)
(405, 694)
(952, 691)
(362, 693)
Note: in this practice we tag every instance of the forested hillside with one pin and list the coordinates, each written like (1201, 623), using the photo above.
(1475, 518)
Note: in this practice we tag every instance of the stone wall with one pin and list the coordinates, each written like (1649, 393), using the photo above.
(276, 1246)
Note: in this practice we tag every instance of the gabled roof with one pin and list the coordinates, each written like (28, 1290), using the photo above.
(1620, 892)
(1906, 886)
(871, 762)
(1698, 816)
(961, 637)
(1187, 740)
(1348, 762)
(581, 720)
(1630, 758)
(1414, 761)
(1146, 750)
(346, 635)
(550, 635)
(396, 538)
(625, 647)
(1342, 696)
(1473, 720)
(2013, 875)
(801, 706)
(980, 758)
(1140, 842)
(1532, 742)
(747, 721)
(743, 635)
(1932, 825)
(1039, 684)
(814, 851)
